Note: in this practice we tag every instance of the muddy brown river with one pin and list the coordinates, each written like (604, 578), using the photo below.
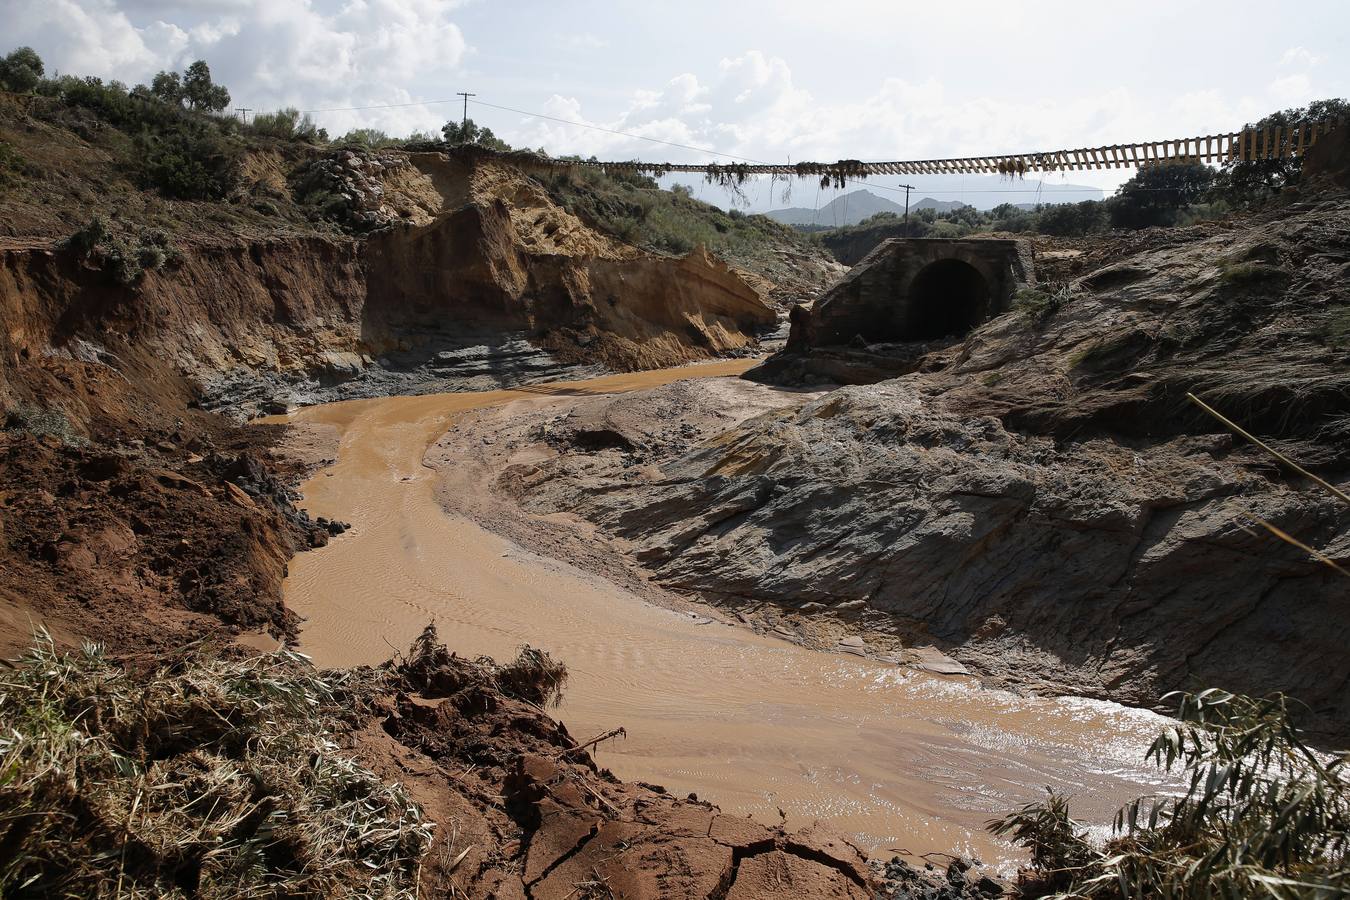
(896, 758)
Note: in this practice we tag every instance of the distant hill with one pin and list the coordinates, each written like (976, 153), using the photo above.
(855, 207)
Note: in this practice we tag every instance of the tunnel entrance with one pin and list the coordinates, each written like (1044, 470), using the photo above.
(946, 299)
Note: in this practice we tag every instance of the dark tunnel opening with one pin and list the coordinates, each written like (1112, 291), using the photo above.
(946, 299)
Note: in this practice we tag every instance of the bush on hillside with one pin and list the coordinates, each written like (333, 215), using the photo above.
(1263, 815)
(289, 125)
(125, 259)
(188, 162)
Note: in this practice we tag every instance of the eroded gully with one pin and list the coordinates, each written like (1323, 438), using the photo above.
(892, 757)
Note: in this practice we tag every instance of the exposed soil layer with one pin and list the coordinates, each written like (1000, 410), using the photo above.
(1039, 501)
(482, 278)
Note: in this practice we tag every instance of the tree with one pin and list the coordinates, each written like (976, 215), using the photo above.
(1071, 219)
(200, 92)
(469, 132)
(1157, 193)
(168, 86)
(21, 70)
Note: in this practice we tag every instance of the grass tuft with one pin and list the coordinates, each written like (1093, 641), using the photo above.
(208, 778)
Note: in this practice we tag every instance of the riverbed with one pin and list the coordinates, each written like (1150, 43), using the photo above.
(895, 758)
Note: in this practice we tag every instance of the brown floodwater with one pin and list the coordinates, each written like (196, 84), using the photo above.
(893, 757)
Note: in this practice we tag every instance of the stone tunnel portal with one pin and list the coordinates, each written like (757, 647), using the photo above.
(916, 290)
(946, 299)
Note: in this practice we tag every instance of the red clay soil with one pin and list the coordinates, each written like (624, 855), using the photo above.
(134, 520)
(524, 812)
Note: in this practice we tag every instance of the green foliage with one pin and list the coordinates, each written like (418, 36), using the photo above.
(289, 124)
(183, 154)
(200, 92)
(1072, 219)
(194, 89)
(633, 207)
(372, 138)
(21, 70)
(1263, 815)
(208, 778)
(469, 132)
(1156, 195)
(13, 167)
(1041, 302)
(189, 161)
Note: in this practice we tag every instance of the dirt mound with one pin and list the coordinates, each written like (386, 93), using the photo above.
(534, 816)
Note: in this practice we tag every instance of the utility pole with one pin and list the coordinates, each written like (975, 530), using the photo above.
(244, 110)
(908, 188)
(463, 123)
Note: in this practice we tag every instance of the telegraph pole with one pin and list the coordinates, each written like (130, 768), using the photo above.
(465, 121)
(908, 188)
(244, 110)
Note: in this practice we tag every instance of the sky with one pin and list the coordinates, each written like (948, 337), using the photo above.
(781, 81)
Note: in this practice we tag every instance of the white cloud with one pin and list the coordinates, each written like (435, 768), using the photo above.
(1299, 57)
(269, 54)
(582, 41)
(750, 106)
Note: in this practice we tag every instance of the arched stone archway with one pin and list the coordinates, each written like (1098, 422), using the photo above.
(947, 298)
(916, 290)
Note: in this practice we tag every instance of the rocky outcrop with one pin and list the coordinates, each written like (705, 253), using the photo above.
(1042, 502)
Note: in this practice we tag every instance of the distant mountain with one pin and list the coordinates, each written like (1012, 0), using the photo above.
(855, 207)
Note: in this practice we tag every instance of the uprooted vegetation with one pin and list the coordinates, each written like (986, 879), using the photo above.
(1263, 815)
(207, 778)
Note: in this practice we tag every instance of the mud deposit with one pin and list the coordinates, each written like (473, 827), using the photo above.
(894, 757)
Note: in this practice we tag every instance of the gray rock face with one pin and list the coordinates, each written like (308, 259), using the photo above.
(1090, 566)
(1042, 503)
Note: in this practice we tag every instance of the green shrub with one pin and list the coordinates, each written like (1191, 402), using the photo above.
(188, 162)
(1263, 815)
(122, 259)
(289, 125)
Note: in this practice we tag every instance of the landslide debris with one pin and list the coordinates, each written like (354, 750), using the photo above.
(1040, 501)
